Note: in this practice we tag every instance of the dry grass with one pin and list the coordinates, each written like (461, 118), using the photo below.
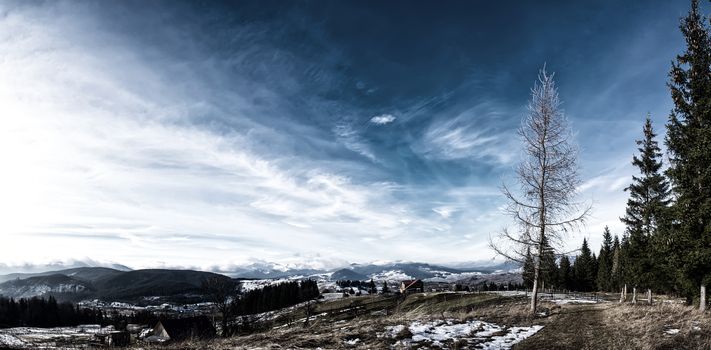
(608, 325)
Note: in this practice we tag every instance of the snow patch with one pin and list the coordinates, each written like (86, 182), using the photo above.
(478, 334)
(352, 341)
(573, 301)
(672, 331)
(11, 341)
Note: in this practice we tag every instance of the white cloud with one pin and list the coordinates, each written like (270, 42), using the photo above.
(104, 157)
(467, 136)
(383, 119)
(445, 211)
(351, 140)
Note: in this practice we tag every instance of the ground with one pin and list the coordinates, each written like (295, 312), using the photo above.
(470, 320)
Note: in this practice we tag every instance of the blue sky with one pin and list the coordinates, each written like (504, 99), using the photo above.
(211, 134)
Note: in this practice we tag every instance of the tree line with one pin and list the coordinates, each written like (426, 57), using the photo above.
(666, 244)
(274, 297)
(40, 312)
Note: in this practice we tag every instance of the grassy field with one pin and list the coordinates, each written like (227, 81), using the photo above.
(360, 323)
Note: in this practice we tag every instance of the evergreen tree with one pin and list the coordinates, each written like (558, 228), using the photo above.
(604, 271)
(616, 265)
(583, 268)
(646, 209)
(565, 272)
(528, 272)
(689, 144)
(549, 269)
(593, 274)
(385, 289)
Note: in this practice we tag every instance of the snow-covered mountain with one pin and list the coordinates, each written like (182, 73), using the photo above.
(43, 285)
(27, 268)
(390, 271)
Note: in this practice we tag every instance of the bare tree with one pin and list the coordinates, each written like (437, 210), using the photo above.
(221, 290)
(544, 208)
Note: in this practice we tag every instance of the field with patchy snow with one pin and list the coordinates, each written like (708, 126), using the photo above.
(451, 320)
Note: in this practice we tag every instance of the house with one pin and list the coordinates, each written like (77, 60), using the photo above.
(182, 329)
(412, 286)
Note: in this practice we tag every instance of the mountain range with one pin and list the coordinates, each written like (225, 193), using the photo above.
(123, 284)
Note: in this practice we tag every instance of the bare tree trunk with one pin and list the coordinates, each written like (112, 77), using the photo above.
(534, 292)
(649, 296)
(702, 299)
(634, 295)
(622, 294)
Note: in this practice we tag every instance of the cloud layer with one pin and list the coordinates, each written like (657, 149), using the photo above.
(230, 135)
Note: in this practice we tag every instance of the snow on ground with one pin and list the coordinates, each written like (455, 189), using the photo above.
(391, 275)
(515, 335)
(478, 334)
(672, 331)
(248, 285)
(332, 296)
(558, 298)
(574, 301)
(31, 337)
(11, 341)
(444, 276)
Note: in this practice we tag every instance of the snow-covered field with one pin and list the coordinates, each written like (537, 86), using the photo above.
(48, 338)
(477, 334)
(558, 298)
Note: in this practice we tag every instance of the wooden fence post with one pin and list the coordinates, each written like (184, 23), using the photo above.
(702, 299)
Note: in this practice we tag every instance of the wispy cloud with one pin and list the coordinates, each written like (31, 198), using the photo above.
(383, 119)
(472, 134)
(187, 146)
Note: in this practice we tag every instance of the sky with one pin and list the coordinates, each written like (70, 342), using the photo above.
(208, 134)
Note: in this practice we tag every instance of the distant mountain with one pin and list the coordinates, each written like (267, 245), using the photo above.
(347, 274)
(265, 270)
(45, 285)
(135, 286)
(89, 274)
(377, 271)
(105, 283)
(60, 265)
(141, 283)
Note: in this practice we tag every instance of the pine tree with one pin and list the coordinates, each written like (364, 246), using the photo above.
(385, 289)
(616, 268)
(565, 272)
(689, 144)
(583, 268)
(528, 273)
(604, 271)
(549, 269)
(646, 209)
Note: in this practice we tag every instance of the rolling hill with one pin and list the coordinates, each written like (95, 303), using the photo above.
(105, 283)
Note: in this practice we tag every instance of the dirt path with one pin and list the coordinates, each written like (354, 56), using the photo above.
(573, 327)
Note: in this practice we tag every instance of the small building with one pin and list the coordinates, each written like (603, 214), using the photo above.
(412, 286)
(198, 327)
(112, 339)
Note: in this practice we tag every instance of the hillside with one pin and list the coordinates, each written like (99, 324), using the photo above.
(89, 274)
(472, 321)
(45, 285)
(106, 283)
(142, 283)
